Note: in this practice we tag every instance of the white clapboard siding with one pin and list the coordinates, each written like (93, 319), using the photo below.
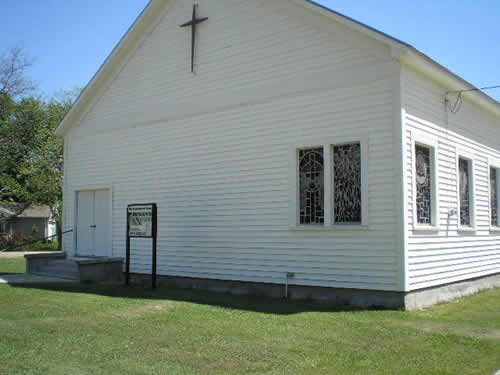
(450, 255)
(212, 149)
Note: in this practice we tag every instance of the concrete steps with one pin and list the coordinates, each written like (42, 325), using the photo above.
(88, 270)
(64, 269)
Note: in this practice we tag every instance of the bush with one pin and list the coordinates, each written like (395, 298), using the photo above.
(15, 243)
(49, 246)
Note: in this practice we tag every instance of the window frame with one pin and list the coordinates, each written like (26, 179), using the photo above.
(298, 150)
(493, 163)
(364, 207)
(432, 143)
(294, 188)
(469, 156)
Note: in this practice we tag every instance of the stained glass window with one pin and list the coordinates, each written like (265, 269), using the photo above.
(423, 180)
(464, 186)
(493, 197)
(311, 181)
(347, 183)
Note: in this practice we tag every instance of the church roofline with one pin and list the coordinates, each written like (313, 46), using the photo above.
(408, 55)
(403, 52)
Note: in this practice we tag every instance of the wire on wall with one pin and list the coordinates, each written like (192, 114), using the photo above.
(457, 104)
(455, 107)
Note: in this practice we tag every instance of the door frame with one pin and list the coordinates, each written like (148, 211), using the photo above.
(77, 190)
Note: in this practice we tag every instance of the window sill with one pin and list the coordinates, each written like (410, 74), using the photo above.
(425, 228)
(328, 228)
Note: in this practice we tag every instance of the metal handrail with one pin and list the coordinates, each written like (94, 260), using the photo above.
(35, 241)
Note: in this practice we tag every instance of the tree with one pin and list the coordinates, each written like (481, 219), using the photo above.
(13, 83)
(31, 156)
(13, 66)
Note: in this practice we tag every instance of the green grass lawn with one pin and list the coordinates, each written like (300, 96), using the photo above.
(18, 265)
(70, 329)
(10, 266)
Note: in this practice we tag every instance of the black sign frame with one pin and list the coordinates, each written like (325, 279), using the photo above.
(154, 231)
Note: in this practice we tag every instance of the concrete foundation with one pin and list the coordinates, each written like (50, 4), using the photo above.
(101, 270)
(335, 296)
(109, 270)
(362, 298)
(419, 299)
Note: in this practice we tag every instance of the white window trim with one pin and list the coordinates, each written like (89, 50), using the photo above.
(294, 199)
(493, 163)
(465, 154)
(425, 140)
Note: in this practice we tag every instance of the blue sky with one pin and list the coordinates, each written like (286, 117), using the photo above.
(71, 38)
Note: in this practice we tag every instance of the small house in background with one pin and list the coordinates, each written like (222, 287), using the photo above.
(288, 148)
(35, 222)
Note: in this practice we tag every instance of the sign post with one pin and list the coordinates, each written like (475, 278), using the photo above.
(141, 223)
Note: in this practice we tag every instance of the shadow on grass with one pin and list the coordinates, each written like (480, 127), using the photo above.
(259, 304)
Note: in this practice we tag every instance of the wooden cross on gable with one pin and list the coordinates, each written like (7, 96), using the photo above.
(193, 22)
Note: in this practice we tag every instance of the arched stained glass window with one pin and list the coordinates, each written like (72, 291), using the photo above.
(494, 197)
(423, 181)
(464, 185)
(347, 183)
(311, 181)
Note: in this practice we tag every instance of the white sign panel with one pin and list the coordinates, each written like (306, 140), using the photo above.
(140, 221)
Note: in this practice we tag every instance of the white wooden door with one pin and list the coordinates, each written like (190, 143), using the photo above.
(93, 217)
(101, 222)
(85, 218)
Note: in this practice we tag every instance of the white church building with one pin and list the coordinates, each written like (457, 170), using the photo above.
(285, 145)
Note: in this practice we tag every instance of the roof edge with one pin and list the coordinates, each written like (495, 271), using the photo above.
(449, 80)
(406, 55)
(111, 65)
(352, 23)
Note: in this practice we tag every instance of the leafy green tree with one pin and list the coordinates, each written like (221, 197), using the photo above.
(31, 156)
